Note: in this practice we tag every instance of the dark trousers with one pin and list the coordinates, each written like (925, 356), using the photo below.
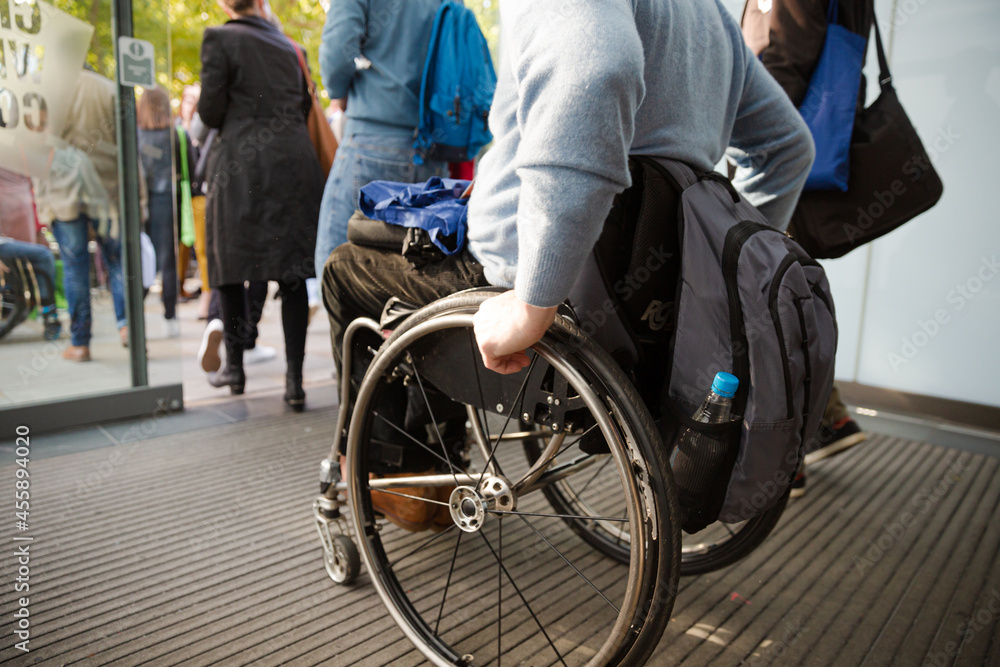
(358, 281)
(241, 308)
(163, 236)
(254, 296)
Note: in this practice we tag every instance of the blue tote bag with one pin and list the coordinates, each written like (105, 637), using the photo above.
(831, 103)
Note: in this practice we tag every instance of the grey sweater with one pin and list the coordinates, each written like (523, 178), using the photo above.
(584, 83)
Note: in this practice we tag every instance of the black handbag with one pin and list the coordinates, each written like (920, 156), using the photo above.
(891, 181)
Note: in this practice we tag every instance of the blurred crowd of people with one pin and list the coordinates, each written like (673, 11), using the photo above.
(233, 179)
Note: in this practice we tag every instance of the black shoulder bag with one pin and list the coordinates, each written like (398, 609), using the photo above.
(891, 182)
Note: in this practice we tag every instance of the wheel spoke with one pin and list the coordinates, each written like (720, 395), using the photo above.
(568, 445)
(437, 431)
(444, 596)
(594, 476)
(417, 442)
(422, 545)
(726, 526)
(484, 425)
(523, 599)
(567, 561)
(404, 495)
(559, 516)
(499, 589)
(513, 408)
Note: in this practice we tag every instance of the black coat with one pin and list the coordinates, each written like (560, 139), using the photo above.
(264, 181)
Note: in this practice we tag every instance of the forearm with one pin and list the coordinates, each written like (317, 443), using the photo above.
(340, 45)
(772, 148)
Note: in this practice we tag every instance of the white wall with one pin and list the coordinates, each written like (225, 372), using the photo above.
(945, 60)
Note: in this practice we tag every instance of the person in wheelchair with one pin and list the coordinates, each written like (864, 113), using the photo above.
(43, 264)
(577, 94)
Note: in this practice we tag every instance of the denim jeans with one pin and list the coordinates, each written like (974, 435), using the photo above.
(73, 238)
(41, 260)
(363, 158)
(164, 237)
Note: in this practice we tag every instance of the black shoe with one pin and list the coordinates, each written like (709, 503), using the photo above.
(295, 396)
(231, 376)
(799, 483)
(53, 327)
(836, 438)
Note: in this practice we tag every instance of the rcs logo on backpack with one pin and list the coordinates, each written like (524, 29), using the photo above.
(657, 315)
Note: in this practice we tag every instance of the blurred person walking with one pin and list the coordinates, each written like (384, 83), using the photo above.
(380, 99)
(159, 150)
(263, 178)
(79, 197)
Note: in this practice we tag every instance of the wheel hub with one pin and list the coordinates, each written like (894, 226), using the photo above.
(468, 510)
(497, 493)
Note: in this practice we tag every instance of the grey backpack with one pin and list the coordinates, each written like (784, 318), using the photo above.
(701, 283)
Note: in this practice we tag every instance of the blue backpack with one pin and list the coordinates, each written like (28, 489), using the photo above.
(456, 90)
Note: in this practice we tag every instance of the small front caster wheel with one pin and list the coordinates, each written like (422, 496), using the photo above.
(344, 564)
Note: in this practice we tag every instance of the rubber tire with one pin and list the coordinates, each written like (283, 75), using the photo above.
(349, 552)
(746, 540)
(13, 285)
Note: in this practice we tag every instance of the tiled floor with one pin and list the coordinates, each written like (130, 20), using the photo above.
(197, 548)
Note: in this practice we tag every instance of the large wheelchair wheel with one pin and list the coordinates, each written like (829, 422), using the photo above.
(713, 548)
(14, 296)
(505, 580)
(721, 544)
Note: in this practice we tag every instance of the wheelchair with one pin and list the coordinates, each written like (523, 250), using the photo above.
(19, 294)
(556, 531)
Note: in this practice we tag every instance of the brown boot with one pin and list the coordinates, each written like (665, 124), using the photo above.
(442, 517)
(76, 353)
(407, 513)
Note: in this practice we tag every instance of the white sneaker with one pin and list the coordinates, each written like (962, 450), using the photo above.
(209, 356)
(259, 354)
(172, 328)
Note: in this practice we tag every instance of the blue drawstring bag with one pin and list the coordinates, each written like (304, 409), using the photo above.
(831, 102)
(435, 207)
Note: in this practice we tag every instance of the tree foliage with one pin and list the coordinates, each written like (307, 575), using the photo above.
(175, 27)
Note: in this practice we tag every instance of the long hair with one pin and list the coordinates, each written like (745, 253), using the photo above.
(153, 109)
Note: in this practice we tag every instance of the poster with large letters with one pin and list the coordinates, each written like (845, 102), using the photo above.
(42, 51)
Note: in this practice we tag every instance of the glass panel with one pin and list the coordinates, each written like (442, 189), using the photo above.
(59, 153)
(933, 308)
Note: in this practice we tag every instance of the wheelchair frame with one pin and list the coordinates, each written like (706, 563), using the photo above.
(341, 556)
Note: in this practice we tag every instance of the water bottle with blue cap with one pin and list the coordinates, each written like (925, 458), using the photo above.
(698, 458)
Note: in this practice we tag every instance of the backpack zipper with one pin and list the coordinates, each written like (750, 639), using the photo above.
(807, 381)
(736, 238)
(772, 304)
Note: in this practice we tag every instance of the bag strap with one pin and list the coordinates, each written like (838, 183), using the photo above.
(182, 144)
(310, 84)
(884, 76)
(683, 174)
(832, 12)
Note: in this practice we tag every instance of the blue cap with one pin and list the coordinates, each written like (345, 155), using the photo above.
(725, 384)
